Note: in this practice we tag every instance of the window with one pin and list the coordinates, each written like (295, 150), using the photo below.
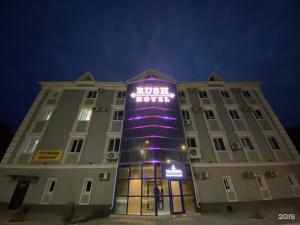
(53, 94)
(274, 143)
(290, 180)
(31, 145)
(234, 114)
(203, 94)
(85, 114)
(45, 115)
(225, 94)
(114, 145)
(121, 94)
(219, 144)
(88, 186)
(181, 95)
(185, 115)
(247, 143)
(258, 115)
(191, 142)
(91, 94)
(226, 183)
(209, 114)
(246, 94)
(76, 145)
(119, 115)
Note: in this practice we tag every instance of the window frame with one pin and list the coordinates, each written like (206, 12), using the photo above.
(247, 143)
(77, 144)
(215, 141)
(117, 116)
(29, 142)
(209, 114)
(114, 139)
(88, 114)
(91, 94)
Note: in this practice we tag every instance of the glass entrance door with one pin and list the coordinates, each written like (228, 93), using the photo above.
(176, 197)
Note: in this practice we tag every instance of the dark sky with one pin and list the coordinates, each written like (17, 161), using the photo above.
(115, 40)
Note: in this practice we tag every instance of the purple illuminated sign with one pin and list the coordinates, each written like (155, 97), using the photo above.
(152, 94)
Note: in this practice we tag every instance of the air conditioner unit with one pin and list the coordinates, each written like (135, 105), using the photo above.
(203, 175)
(103, 176)
(112, 155)
(246, 109)
(235, 146)
(187, 122)
(248, 175)
(270, 174)
(194, 153)
(100, 90)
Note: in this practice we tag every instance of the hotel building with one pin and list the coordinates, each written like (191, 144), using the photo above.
(150, 146)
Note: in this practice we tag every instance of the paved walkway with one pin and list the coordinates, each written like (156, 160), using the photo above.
(216, 219)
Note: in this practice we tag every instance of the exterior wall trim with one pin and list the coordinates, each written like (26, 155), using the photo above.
(231, 164)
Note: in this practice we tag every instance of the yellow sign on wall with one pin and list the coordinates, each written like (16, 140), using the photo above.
(48, 155)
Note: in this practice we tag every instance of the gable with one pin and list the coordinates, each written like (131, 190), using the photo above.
(151, 74)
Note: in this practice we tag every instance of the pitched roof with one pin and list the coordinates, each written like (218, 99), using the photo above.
(151, 74)
(215, 77)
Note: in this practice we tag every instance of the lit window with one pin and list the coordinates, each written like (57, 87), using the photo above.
(119, 115)
(185, 115)
(31, 145)
(45, 115)
(209, 114)
(274, 143)
(258, 115)
(219, 144)
(225, 94)
(203, 94)
(246, 94)
(91, 94)
(246, 142)
(191, 142)
(234, 114)
(121, 94)
(76, 145)
(85, 114)
(114, 145)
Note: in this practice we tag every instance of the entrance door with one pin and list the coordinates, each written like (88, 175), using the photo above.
(176, 197)
(19, 194)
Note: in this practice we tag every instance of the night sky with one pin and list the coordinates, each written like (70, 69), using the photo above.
(116, 40)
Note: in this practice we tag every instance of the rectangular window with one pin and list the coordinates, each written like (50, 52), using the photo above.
(219, 144)
(209, 114)
(225, 94)
(88, 186)
(45, 115)
(246, 94)
(274, 143)
(85, 114)
(234, 115)
(114, 145)
(246, 142)
(203, 94)
(119, 115)
(258, 115)
(185, 115)
(76, 145)
(52, 185)
(53, 94)
(31, 145)
(121, 94)
(91, 94)
(226, 183)
(181, 95)
(191, 142)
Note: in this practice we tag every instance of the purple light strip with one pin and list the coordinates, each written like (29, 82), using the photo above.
(152, 125)
(155, 116)
(153, 136)
(152, 108)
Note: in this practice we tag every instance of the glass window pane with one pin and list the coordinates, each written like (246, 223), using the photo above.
(175, 187)
(187, 187)
(162, 186)
(135, 187)
(135, 171)
(122, 187)
(134, 205)
(148, 206)
(78, 149)
(163, 206)
(148, 187)
(121, 205)
(189, 204)
(148, 171)
(111, 144)
(158, 171)
(123, 172)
